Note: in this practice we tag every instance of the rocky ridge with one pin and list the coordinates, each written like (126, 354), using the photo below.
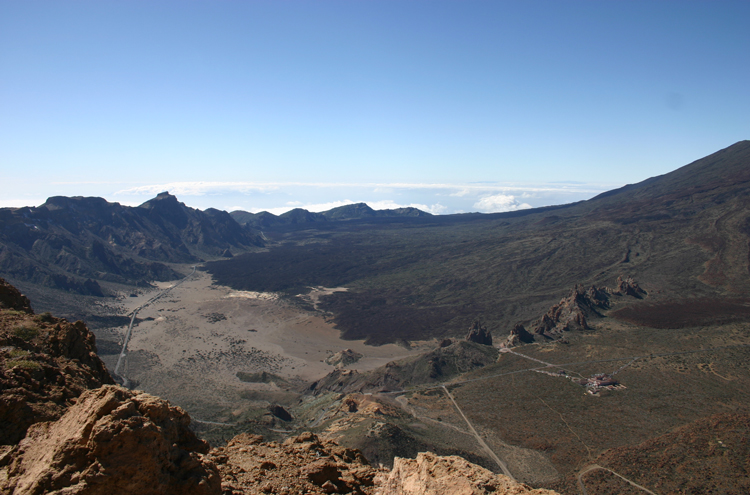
(73, 244)
(573, 312)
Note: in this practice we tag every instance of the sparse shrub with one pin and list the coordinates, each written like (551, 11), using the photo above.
(25, 332)
(24, 364)
(46, 317)
(18, 353)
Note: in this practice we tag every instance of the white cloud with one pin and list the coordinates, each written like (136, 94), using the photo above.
(388, 204)
(499, 203)
(206, 187)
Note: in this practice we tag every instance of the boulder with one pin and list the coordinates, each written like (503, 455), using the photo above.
(430, 474)
(112, 440)
(11, 298)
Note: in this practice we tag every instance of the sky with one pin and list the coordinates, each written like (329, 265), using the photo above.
(449, 106)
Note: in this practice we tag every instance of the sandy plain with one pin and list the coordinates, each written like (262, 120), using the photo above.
(190, 344)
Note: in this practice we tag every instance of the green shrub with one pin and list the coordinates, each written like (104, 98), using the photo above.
(25, 332)
(24, 364)
(46, 317)
(18, 353)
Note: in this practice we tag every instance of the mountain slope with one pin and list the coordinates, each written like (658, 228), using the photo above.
(72, 243)
(684, 234)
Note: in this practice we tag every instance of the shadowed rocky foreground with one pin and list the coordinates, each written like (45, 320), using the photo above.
(66, 429)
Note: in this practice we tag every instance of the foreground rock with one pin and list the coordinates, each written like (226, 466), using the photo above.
(112, 441)
(430, 474)
(302, 464)
(45, 364)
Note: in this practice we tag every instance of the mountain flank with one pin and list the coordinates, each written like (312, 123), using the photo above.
(682, 235)
(83, 245)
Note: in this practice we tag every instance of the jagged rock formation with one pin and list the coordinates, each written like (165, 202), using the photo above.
(344, 358)
(45, 364)
(429, 474)
(628, 287)
(478, 333)
(301, 464)
(571, 312)
(519, 335)
(112, 441)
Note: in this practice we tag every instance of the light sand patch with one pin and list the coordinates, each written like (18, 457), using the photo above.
(266, 296)
(316, 293)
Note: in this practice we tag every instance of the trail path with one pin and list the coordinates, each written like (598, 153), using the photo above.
(124, 352)
(481, 441)
(594, 467)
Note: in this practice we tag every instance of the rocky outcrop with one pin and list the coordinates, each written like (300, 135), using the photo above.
(344, 358)
(301, 464)
(430, 474)
(519, 335)
(112, 441)
(45, 364)
(628, 287)
(572, 311)
(478, 333)
(11, 298)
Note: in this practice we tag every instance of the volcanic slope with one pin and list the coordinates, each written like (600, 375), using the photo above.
(681, 235)
(84, 245)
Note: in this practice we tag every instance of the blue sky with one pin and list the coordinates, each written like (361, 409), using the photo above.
(450, 106)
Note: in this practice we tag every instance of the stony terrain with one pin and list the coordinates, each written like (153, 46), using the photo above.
(90, 437)
(429, 474)
(112, 441)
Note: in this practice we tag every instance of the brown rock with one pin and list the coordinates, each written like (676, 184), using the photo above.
(11, 298)
(430, 474)
(519, 335)
(112, 441)
(45, 363)
(304, 464)
(628, 287)
(344, 358)
(479, 334)
(572, 311)
(321, 471)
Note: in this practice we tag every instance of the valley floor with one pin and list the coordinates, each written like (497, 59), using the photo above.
(190, 345)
